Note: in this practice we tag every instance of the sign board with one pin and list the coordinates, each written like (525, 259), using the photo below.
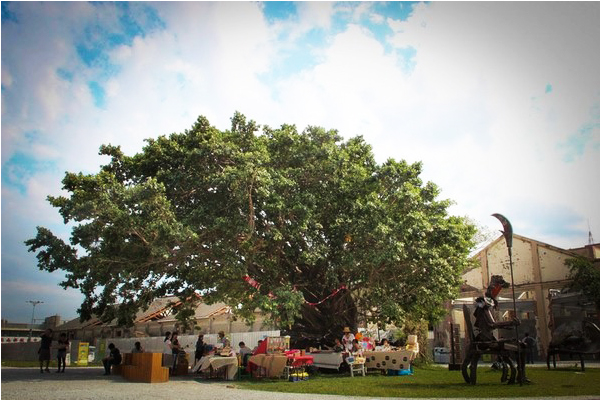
(82, 353)
(101, 347)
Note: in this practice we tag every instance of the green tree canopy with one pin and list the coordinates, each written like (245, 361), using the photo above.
(302, 213)
(585, 278)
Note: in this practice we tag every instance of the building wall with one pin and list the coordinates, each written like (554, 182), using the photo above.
(498, 262)
(552, 264)
(29, 351)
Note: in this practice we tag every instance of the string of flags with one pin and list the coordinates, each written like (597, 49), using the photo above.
(328, 297)
(255, 284)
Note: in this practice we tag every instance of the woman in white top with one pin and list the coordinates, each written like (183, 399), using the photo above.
(167, 344)
(347, 339)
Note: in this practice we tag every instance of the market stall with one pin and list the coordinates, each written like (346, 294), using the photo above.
(327, 359)
(397, 360)
(273, 358)
(214, 362)
(267, 365)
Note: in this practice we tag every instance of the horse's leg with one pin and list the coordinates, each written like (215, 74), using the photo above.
(474, 361)
(548, 358)
(582, 362)
(521, 375)
(504, 368)
(513, 370)
(465, 366)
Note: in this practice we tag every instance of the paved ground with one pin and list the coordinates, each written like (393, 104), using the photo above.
(89, 383)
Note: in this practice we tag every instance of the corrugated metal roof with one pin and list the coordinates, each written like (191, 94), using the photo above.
(159, 310)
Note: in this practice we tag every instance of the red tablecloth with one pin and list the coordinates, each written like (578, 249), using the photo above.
(298, 360)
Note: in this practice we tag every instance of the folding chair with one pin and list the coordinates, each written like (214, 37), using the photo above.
(355, 365)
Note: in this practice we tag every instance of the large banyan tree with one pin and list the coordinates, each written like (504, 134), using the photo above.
(304, 226)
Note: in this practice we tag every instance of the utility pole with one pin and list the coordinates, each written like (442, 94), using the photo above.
(34, 303)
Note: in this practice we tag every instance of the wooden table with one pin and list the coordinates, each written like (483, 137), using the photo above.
(329, 360)
(216, 362)
(389, 359)
(272, 365)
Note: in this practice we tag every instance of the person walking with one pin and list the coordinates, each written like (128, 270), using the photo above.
(44, 350)
(61, 355)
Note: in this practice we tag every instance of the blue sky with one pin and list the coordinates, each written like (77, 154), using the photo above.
(500, 101)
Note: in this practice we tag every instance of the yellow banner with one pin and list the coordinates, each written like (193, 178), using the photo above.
(82, 353)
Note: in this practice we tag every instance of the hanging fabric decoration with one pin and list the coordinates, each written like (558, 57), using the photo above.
(252, 282)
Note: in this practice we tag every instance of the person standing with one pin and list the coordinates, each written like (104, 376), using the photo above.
(529, 344)
(167, 343)
(113, 358)
(44, 351)
(199, 348)
(175, 349)
(167, 353)
(61, 355)
(347, 339)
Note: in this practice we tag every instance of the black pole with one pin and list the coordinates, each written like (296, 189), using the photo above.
(508, 233)
(512, 282)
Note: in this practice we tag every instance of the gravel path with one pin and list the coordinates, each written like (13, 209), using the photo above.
(89, 383)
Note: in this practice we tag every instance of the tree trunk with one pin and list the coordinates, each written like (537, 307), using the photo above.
(322, 323)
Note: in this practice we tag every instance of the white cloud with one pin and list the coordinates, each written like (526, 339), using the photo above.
(315, 14)
(377, 18)
(476, 108)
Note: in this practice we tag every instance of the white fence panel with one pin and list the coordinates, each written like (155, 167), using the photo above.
(188, 342)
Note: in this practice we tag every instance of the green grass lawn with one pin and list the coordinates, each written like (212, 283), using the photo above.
(432, 381)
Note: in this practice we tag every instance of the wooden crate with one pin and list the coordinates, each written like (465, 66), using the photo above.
(146, 367)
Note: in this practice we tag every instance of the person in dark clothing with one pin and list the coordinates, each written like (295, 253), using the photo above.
(175, 349)
(529, 344)
(199, 347)
(113, 358)
(137, 348)
(61, 355)
(44, 351)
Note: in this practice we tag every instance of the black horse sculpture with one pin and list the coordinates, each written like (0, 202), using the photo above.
(483, 341)
(572, 341)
